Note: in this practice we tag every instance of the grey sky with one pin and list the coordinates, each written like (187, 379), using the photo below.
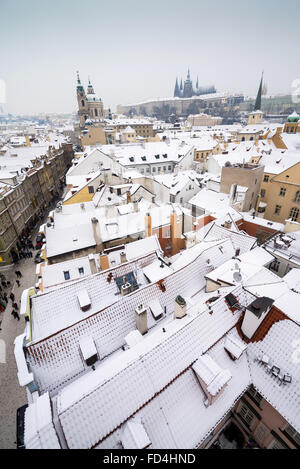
(134, 49)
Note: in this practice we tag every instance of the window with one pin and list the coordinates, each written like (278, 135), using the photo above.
(275, 265)
(81, 270)
(275, 444)
(246, 415)
(263, 193)
(277, 209)
(297, 197)
(67, 275)
(91, 190)
(294, 213)
(255, 396)
(282, 192)
(291, 433)
(266, 178)
(96, 112)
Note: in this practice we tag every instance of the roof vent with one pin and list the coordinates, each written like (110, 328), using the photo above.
(88, 350)
(84, 300)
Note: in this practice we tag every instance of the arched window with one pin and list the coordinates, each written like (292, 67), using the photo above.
(297, 197)
(82, 103)
(243, 139)
(96, 112)
(294, 214)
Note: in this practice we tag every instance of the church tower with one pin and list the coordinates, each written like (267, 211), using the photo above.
(256, 116)
(176, 90)
(188, 86)
(95, 105)
(82, 102)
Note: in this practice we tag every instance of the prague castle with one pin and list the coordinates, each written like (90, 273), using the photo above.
(186, 90)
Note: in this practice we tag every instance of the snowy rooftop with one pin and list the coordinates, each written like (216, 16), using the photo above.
(286, 246)
(149, 152)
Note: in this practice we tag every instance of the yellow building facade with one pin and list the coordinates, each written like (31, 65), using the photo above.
(281, 193)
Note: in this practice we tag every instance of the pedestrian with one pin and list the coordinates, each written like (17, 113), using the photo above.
(30, 254)
(20, 274)
(18, 283)
(12, 296)
(15, 306)
(15, 315)
(8, 283)
(3, 283)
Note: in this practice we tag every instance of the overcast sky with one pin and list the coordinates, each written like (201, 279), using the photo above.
(134, 49)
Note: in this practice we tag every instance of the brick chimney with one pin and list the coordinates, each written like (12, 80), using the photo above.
(148, 225)
(104, 262)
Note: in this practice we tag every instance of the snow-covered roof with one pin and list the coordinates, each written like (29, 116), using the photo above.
(239, 240)
(280, 345)
(150, 152)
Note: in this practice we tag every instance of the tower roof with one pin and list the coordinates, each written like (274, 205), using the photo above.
(294, 117)
(79, 85)
(257, 106)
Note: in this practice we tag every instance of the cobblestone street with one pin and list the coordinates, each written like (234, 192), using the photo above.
(12, 395)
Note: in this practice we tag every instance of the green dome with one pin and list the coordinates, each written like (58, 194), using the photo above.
(293, 117)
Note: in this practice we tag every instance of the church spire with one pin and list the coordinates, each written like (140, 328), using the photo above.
(257, 106)
(79, 85)
(176, 90)
(188, 75)
(181, 86)
(197, 83)
(90, 88)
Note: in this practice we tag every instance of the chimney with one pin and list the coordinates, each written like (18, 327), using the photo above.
(128, 197)
(176, 232)
(123, 258)
(228, 224)
(97, 235)
(104, 262)
(148, 225)
(232, 193)
(180, 307)
(255, 313)
(92, 262)
(135, 206)
(141, 319)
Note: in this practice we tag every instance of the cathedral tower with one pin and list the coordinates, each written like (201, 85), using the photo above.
(82, 103)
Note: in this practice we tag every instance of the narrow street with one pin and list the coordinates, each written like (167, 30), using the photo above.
(12, 395)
